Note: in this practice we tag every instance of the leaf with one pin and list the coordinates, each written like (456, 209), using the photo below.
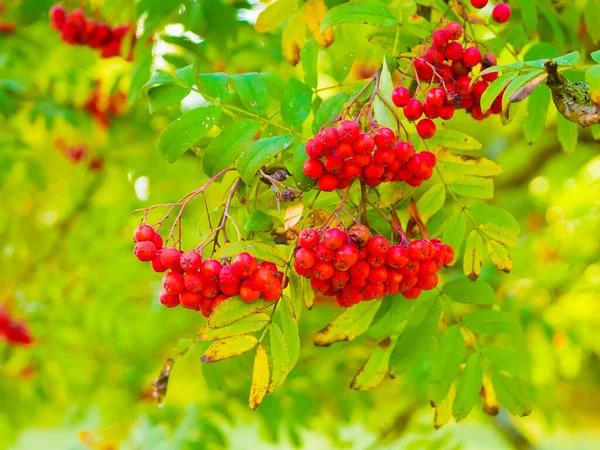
(513, 393)
(329, 110)
(289, 326)
(313, 13)
(473, 259)
(279, 356)
(555, 29)
(443, 411)
(393, 193)
(463, 290)
(454, 233)
(263, 252)
(342, 66)
(309, 56)
(444, 137)
(416, 334)
(474, 187)
(293, 38)
(517, 86)
(468, 388)
(592, 78)
(490, 402)
(249, 324)
(484, 213)
(394, 310)
(446, 364)
(505, 359)
(503, 235)
(595, 56)
(494, 89)
(234, 309)
(431, 202)
(570, 59)
(165, 95)
(257, 153)
(537, 110)
(296, 102)
(383, 114)
(216, 84)
(351, 323)
(258, 221)
(467, 165)
(274, 15)
(490, 321)
(225, 148)
(140, 71)
(184, 132)
(260, 378)
(292, 216)
(371, 12)
(567, 133)
(228, 347)
(187, 74)
(252, 90)
(308, 295)
(529, 15)
(499, 256)
(296, 168)
(375, 368)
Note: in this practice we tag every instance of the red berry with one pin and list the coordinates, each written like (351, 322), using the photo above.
(157, 266)
(330, 137)
(339, 280)
(333, 163)
(247, 291)
(385, 138)
(262, 279)
(244, 264)
(211, 290)
(144, 233)
(169, 257)
(360, 269)
(478, 89)
(323, 270)
(479, 3)
(373, 291)
(351, 169)
(412, 293)
(471, 56)
(446, 112)
(377, 274)
(348, 130)
(189, 299)
(424, 70)
(439, 38)
(463, 85)
(426, 128)
(334, 238)
(327, 183)
(77, 17)
(157, 241)
(273, 293)
(346, 257)
(230, 290)
(305, 258)
(436, 97)
(308, 238)
(448, 254)
(313, 168)
(489, 60)
(344, 150)
(324, 253)
(228, 276)
(144, 251)
(501, 13)
(400, 96)
(193, 282)
(169, 300)
(210, 270)
(397, 257)
(417, 249)
(454, 51)
(173, 282)
(378, 246)
(319, 285)
(364, 144)
(190, 261)
(413, 109)
(351, 296)
(453, 30)
(58, 16)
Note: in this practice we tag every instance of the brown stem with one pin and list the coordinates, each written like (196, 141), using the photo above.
(224, 216)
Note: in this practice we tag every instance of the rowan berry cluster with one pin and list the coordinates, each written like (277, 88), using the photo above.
(501, 12)
(354, 266)
(15, 332)
(105, 108)
(76, 29)
(339, 155)
(201, 284)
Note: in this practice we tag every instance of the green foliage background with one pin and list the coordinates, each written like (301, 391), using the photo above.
(101, 334)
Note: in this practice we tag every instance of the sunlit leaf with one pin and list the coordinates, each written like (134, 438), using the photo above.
(468, 389)
(296, 102)
(252, 90)
(274, 15)
(463, 290)
(249, 324)
(491, 321)
(233, 309)
(454, 233)
(443, 410)
(229, 347)
(215, 84)
(431, 202)
(260, 378)
(261, 251)
(467, 165)
(293, 38)
(446, 364)
(375, 368)
(382, 112)
(309, 56)
(313, 13)
(289, 326)
(226, 147)
(473, 259)
(351, 323)
(259, 221)
(329, 110)
(342, 66)
(474, 187)
(499, 255)
(372, 12)
(484, 213)
(257, 153)
(494, 89)
(444, 137)
(280, 357)
(568, 133)
(513, 393)
(503, 235)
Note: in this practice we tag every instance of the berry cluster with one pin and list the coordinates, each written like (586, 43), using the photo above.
(104, 108)
(501, 12)
(14, 331)
(450, 65)
(355, 266)
(340, 154)
(76, 29)
(201, 284)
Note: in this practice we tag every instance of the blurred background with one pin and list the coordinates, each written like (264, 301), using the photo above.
(78, 154)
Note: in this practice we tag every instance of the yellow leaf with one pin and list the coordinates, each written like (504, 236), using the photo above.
(313, 13)
(490, 402)
(226, 348)
(274, 15)
(499, 256)
(443, 412)
(260, 378)
(293, 214)
(293, 38)
(473, 255)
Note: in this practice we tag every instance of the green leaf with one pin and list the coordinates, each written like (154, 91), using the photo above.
(342, 66)
(503, 235)
(329, 110)
(468, 388)
(309, 55)
(431, 202)
(383, 114)
(394, 310)
(234, 309)
(537, 110)
(444, 137)
(274, 15)
(494, 89)
(454, 233)
(259, 222)
(490, 321)
(595, 56)
(215, 84)
(158, 79)
(250, 324)
(289, 326)
(529, 15)
(446, 364)
(595, 132)
(229, 347)
(484, 213)
(308, 295)
(373, 371)
(517, 84)
(556, 31)
(473, 259)
(166, 95)
(463, 290)
(252, 90)
(184, 132)
(506, 360)
(351, 323)
(567, 133)
(499, 255)
(225, 148)
(187, 74)
(417, 333)
(467, 165)
(296, 102)
(257, 153)
(296, 168)
(513, 393)
(371, 12)
(592, 78)
(263, 252)
(280, 357)
(140, 70)
(260, 378)
(392, 193)
(474, 187)
(570, 59)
